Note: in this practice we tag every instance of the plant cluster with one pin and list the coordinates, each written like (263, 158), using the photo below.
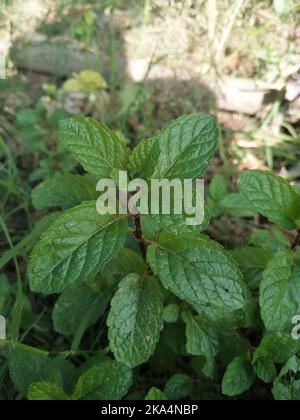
(174, 315)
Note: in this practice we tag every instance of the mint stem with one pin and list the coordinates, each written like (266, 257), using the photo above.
(138, 234)
(296, 241)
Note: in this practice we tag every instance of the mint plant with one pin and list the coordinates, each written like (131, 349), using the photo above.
(170, 296)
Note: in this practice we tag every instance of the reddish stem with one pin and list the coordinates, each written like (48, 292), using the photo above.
(296, 241)
(138, 234)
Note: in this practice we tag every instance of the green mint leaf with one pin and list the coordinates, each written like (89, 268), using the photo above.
(252, 261)
(143, 158)
(218, 188)
(66, 191)
(173, 223)
(135, 319)
(155, 394)
(204, 366)
(265, 369)
(237, 205)
(296, 188)
(273, 240)
(73, 305)
(96, 147)
(279, 296)
(272, 196)
(238, 378)
(291, 366)
(231, 344)
(198, 270)
(176, 223)
(186, 146)
(46, 391)
(280, 391)
(109, 380)
(179, 386)
(277, 346)
(201, 337)
(283, 392)
(26, 367)
(286, 386)
(222, 317)
(74, 248)
(171, 313)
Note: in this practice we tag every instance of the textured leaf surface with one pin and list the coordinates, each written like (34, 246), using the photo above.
(237, 205)
(186, 146)
(272, 240)
(176, 223)
(179, 386)
(272, 196)
(168, 219)
(65, 191)
(238, 378)
(198, 270)
(277, 346)
(281, 392)
(279, 296)
(286, 386)
(201, 337)
(265, 369)
(252, 261)
(26, 368)
(74, 248)
(155, 394)
(96, 147)
(143, 158)
(46, 391)
(291, 366)
(218, 188)
(109, 380)
(135, 319)
(73, 305)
